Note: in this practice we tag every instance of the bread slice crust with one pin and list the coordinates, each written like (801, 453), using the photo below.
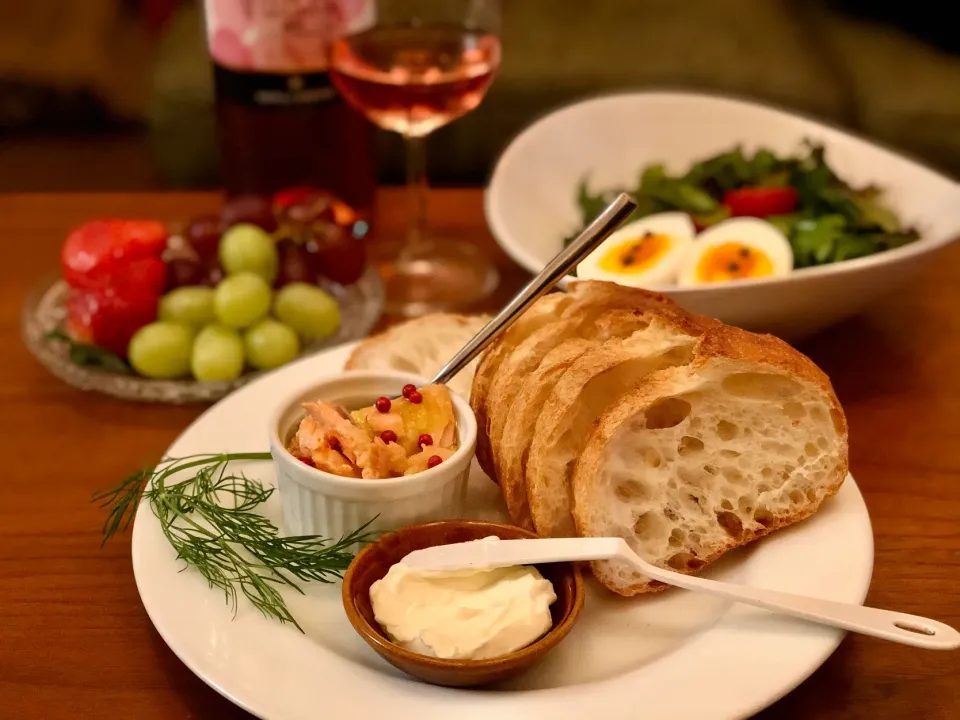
(664, 338)
(774, 453)
(511, 453)
(421, 346)
(589, 301)
(545, 310)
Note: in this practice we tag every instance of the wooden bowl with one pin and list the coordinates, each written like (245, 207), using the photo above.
(373, 562)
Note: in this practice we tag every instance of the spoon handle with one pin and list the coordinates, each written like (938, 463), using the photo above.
(587, 241)
(886, 624)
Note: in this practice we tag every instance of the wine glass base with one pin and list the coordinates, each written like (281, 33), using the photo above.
(440, 277)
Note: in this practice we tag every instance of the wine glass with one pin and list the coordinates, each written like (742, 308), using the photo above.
(421, 65)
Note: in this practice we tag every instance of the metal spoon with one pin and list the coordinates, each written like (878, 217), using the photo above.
(585, 243)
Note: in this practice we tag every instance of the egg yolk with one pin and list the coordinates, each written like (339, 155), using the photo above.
(731, 261)
(635, 255)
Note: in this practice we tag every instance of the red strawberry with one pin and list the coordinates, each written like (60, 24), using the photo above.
(79, 310)
(115, 253)
(145, 276)
(108, 318)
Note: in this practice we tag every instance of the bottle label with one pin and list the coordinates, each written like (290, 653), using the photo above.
(274, 52)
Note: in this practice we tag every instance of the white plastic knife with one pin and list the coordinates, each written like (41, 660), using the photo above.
(886, 624)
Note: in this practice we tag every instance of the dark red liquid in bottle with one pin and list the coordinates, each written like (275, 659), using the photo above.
(267, 147)
(280, 120)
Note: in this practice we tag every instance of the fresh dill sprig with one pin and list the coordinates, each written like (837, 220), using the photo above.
(208, 517)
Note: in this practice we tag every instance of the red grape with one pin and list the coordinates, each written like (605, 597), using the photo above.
(203, 234)
(184, 271)
(213, 273)
(325, 224)
(316, 208)
(254, 209)
(307, 203)
(295, 264)
(295, 195)
(337, 255)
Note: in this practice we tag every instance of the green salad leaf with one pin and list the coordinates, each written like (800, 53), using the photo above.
(873, 212)
(722, 172)
(832, 220)
(814, 240)
(675, 193)
(592, 205)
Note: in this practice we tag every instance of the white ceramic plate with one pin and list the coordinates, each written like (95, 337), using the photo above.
(674, 655)
(531, 198)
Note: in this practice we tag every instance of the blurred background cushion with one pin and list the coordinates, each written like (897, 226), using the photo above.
(68, 65)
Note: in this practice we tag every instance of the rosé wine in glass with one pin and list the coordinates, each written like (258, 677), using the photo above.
(412, 80)
(420, 66)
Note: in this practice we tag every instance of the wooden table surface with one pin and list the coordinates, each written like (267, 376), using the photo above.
(75, 641)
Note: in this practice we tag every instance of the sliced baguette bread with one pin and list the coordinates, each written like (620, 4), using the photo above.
(591, 300)
(582, 394)
(600, 292)
(510, 455)
(422, 346)
(545, 310)
(703, 458)
(511, 450)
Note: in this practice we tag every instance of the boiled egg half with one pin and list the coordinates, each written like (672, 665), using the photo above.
(737, 249)
(648, 251)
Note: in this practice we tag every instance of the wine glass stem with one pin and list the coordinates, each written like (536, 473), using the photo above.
(416, 150)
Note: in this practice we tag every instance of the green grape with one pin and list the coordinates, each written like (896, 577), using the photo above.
(247, 248)
(310, 311)
(161, 350)
(270, 344)
(240, 300)
(191, 305)
(217, 354)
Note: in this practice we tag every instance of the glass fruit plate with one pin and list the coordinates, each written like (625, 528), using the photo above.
(44, 311)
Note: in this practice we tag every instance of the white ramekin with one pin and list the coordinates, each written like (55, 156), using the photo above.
(320, 503)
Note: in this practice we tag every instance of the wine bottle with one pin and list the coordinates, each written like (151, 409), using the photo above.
(281, 122)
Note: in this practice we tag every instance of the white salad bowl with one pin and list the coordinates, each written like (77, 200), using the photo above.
(531, 199)
(315, 502)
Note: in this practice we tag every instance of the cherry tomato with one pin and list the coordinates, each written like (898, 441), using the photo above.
(760, 202)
